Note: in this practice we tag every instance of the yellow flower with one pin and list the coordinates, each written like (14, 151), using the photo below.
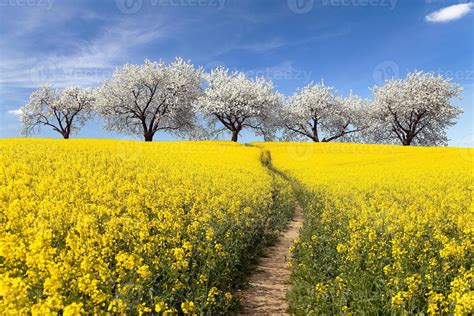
(187, 246)
(143, 309)
(228, 296)
(210, 234)
(161, 306)
(116, 306)
(187, 307)
(399, 299)
(211, 296)
(341, 248)
(73, 309)
(144, 271)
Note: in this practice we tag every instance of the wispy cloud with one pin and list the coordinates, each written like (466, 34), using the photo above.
(16, 112)
(450, 13)
(277, 43)
(83, 62)
(263, 46)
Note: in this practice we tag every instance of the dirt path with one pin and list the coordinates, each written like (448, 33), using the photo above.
(268, 285)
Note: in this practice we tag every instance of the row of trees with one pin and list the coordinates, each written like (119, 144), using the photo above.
(182, 99)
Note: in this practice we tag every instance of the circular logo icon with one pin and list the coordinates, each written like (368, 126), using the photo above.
(44, 72)
(300, 151)
(466, 149)
(300, 6)
(129, 6)
(384, 71)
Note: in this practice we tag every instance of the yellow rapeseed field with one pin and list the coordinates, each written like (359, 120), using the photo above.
(95, 226)
(388, 229)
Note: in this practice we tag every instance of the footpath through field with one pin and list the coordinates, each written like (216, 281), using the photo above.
(268, 285)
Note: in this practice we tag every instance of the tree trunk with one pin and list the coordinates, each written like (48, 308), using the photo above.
(65, 135)
(407, 140)
(314, 129)
(149, 137)
(235, 136)
(315, 136)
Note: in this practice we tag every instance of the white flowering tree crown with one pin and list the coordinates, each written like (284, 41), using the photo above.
(238, 102)
(64, 110)
(317, 113)
(415, 110)
(144, 99)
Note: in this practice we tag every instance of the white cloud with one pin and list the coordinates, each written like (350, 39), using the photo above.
(16, 112)
(450, 13)
(86, 63)
(265, 46)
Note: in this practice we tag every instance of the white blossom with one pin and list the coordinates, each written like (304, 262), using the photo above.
(145, 99)
(238, 102)
(315, 112)
(64, 110)
(415, 110)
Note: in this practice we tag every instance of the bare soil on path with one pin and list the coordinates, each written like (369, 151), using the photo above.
(266, 293)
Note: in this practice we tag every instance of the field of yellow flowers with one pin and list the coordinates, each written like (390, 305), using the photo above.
(387, 230)
(89, 226)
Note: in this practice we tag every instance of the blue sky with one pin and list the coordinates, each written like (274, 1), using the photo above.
(351, 44)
